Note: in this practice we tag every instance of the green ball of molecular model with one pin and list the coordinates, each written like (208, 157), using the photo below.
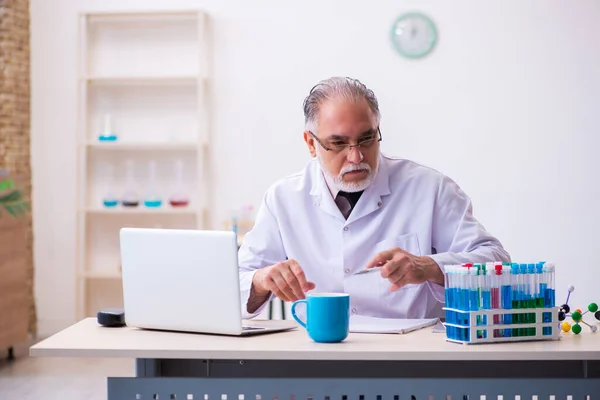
(577, 316)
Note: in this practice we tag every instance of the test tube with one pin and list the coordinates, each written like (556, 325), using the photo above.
(450, 299)
(539, 276)
(447, 285)
(464, 300)
(551, 290)
(474, 293)
(531, 297)
(496, 283)
(447, 295)
(469, 283)
(515, 296)
(524, 288)
(453, 287)
(486, 292)
(542, 286)
(507, 296)
(549, 296)
(458, 294)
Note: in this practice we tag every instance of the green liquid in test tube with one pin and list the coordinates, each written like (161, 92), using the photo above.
(516, 297)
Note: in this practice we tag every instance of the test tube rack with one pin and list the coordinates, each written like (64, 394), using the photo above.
(501, 302)
(496, 325)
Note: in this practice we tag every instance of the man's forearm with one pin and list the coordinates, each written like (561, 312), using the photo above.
(255, 300)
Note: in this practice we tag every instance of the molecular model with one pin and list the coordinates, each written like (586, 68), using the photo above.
(576, 315)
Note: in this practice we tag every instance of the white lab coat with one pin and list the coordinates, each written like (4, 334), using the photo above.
(407, 205)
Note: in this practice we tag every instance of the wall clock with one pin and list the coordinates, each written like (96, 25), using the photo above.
(414, 35)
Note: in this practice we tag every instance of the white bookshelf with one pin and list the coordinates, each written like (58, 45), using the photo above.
(148, 72)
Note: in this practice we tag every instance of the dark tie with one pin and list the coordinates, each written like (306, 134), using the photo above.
(346, 201)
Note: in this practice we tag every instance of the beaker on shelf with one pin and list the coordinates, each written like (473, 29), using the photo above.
(109, 199)
(179, 197)
(130, 195)
(107, 134)
(152, 198)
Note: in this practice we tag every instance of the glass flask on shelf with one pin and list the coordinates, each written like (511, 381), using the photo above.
(107, 134)
(179, 198)
(131, 197)
(109, 199)
(152, 199)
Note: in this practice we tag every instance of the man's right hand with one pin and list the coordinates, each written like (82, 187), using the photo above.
(285, 279)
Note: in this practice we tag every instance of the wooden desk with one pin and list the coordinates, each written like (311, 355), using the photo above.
(419, 364)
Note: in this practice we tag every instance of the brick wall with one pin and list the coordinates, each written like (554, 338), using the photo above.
(15, 115)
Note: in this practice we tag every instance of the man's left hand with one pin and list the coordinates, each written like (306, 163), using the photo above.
(402, 268)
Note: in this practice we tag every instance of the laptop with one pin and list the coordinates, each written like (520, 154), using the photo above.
(187, 281)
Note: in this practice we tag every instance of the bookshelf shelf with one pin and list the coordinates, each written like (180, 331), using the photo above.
(141, 146)
(102, 274)
(143, 80)
(165, 210)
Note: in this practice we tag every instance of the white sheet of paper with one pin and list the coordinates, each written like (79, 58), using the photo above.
(364, 324)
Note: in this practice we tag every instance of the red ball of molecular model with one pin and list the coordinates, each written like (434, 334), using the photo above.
(576, 315)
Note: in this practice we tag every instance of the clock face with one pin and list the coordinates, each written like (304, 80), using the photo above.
(414, 35)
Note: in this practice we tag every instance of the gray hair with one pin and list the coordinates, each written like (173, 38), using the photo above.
(337, 87)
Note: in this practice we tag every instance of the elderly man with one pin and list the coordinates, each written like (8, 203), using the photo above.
(352, 209)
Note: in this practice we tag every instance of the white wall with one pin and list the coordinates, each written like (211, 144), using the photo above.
(505, 106)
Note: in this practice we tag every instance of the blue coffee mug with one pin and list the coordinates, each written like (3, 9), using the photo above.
(327, 316)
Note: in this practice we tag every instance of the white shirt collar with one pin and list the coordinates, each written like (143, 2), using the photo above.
(342, 202)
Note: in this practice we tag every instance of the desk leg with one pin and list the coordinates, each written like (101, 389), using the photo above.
(147, 368)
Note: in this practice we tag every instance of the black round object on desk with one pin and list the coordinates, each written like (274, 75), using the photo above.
(561, 315)
(111, 317)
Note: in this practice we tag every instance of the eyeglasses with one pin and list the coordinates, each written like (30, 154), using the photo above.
(337, 146)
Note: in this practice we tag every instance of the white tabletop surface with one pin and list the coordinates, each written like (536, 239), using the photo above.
(88, 339)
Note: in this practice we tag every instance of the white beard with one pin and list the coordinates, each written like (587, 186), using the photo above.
(338, 181)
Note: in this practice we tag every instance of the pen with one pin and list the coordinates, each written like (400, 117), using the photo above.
(366, 271)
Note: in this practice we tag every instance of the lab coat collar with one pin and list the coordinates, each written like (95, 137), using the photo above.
(330, 185)
(369, 202)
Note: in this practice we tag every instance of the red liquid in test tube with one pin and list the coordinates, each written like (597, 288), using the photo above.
(496, 297)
